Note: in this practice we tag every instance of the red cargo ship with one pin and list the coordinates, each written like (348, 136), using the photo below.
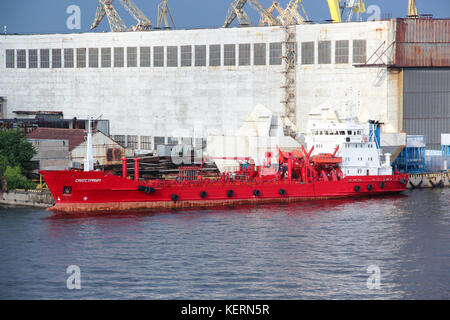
(297, 176)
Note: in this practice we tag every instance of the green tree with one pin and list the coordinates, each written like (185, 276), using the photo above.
(16, 180)
(16, 149)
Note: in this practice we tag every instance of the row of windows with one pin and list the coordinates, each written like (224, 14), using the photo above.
(149, 143)
(336, 132)
(341, 52)
(348, 159)
(120, 57)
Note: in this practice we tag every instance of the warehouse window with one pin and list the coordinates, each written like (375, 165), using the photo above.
(200, 56)
(359, 51)
(32, 58)
(244, 54)
(146, 143)
(159, 141)
(158, 57)
(341, 51)
(307, 52)
(10, 59)
(56, 58)
(119, 60)
(324, 52)
(214, 55)
(259, 54)
(120, 139)
(275, 53)
(186, 56)
(93, 57)
(68, 58)
(132, 142)
(172, 56)
(45, 58)
(106, 57)
(21, 59)
(81, 58)
(145, 56)
(229, 55)
(131, 57)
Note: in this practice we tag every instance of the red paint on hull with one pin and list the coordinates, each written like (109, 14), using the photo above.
(100, 191)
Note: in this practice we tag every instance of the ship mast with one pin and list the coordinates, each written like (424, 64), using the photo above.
(89, 161)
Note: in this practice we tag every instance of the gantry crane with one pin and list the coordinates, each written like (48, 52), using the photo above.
(116, 23)
(163, 10)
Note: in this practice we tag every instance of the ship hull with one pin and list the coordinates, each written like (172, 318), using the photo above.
(99, 191)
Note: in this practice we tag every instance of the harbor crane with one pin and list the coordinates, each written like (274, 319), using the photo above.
(163, 10)
(288, 16)
(105, 7)
(343, 10)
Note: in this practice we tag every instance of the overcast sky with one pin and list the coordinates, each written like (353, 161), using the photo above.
(49, 16)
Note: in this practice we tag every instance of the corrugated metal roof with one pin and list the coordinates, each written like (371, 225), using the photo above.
(422, 43)
(75, 136)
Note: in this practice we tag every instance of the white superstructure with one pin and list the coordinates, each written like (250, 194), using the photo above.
(359, 146)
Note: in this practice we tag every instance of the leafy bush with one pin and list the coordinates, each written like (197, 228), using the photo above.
(17, 150)
(16, 180)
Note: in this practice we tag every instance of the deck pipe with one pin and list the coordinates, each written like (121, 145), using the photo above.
(124, 167)
(136, 169)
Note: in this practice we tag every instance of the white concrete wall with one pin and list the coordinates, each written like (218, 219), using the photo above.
(162, 101)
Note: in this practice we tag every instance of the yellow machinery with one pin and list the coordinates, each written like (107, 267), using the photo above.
(342, 10)
(412, 8)
(163, 10)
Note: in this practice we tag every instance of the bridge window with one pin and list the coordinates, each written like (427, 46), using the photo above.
(359, 51)
(324, 52)
(106, 57)
(45, 58)
(21, 59)
(119, 60)
(308, 52)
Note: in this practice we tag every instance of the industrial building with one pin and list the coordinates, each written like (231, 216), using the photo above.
(156, 86)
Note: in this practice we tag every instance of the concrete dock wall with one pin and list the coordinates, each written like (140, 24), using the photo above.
(429, 180)
(32, 198)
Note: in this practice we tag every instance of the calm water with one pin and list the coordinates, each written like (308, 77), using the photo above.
(307, 250)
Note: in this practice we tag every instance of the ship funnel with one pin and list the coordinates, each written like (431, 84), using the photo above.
(387, 159)
(89, 161)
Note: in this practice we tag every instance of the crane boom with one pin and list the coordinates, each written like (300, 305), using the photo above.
(272, 21)
(236, 11)
(105, 7)
(144, 23)
(116, 23)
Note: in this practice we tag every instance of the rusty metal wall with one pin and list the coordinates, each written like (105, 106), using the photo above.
(422, 43)
(426, 104)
